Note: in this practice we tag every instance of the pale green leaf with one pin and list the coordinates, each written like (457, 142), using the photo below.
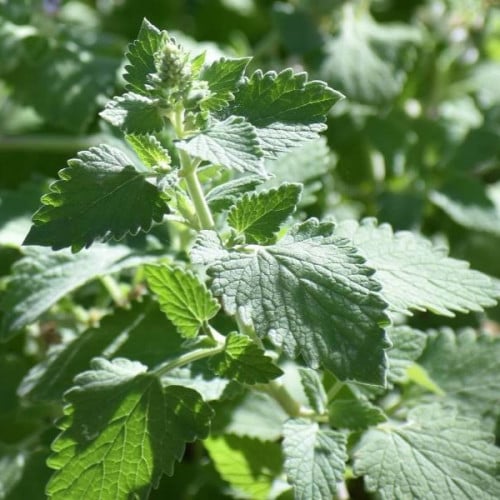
(286, 109)
(417, 275)
(242, 360)
(183, 298)
(260, 215)
(134, 113)
(436, 454)
(469, 375)
(225, 195)
(231, 143)
(122, 431)
(314, 459)
(310, 293)
(99, 195)
(42, 277)
(313, 388)
(248, 465)
(150, 151)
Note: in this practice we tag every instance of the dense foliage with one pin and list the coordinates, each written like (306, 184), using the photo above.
(251, 279)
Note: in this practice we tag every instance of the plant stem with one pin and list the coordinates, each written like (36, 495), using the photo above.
(196, 192)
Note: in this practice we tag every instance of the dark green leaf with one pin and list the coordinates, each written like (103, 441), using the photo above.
(225, 195)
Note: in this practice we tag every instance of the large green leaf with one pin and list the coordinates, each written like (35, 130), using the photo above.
(122, 431)
(226, 194)
(286, 109)
(314, 459)
(435, 455)
(231, 143)
(100, 194)
(260, 215)
(310, 293)
(415, 274)
(42, 277)
(183, 298)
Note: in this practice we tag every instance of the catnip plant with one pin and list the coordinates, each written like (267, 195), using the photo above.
(272, 345)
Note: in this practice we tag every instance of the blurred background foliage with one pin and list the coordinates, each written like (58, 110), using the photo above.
(416, 142)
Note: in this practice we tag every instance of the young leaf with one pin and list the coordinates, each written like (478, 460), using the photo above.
(466, 376)
(435, 455)
(242, 360)
(310, 293)
(150, 151)
(260, 215)
(231, 143)
(225, 195)
(417, 275)
(134, 113)
(313, 387)
(248, 465)
(100, 194)
(314, 459)
(122, 431)
(141, 57)
(183, 298)
(286, 109)
(42, 277)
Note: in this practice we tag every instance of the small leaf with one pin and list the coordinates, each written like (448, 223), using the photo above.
(314, 459)
(310, 293)
(435, 455)
(134, 113)
(122, 432)
(260, 215)
(231, 143)
(183, 298)
(313, 387)
(100, 194)
(417, 275)
(150, 151)
(225, 195)
(248, 465)
(242, 360)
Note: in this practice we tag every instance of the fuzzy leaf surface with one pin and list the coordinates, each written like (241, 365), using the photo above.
(435, 455)
(133, 113)
(310, 293)
(183, 298)
(90, 201)
(231, 143)
(260, 215)
(242, 360)
(314, 459)
(225, 195)
(416, 274)
(122, 431)
(149, 150)
(314, 390)
(286, 109)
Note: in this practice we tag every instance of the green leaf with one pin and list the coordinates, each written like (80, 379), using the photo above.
(140, 55)
(416, 274)
(183, 298)
(248, 465)
(407, 345)
(436, 454)
(222, 77)
(225, 195)
(231, 143)
(348, 411)
(313, 387)
(99, 195)
(122, 431)
(242, 360)
(150, 151)
(467, 376)
(260, 215)
(286, 109)
(134, 113)
(42, 277)
(310, 293)
(136, 333)
(314, 459)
